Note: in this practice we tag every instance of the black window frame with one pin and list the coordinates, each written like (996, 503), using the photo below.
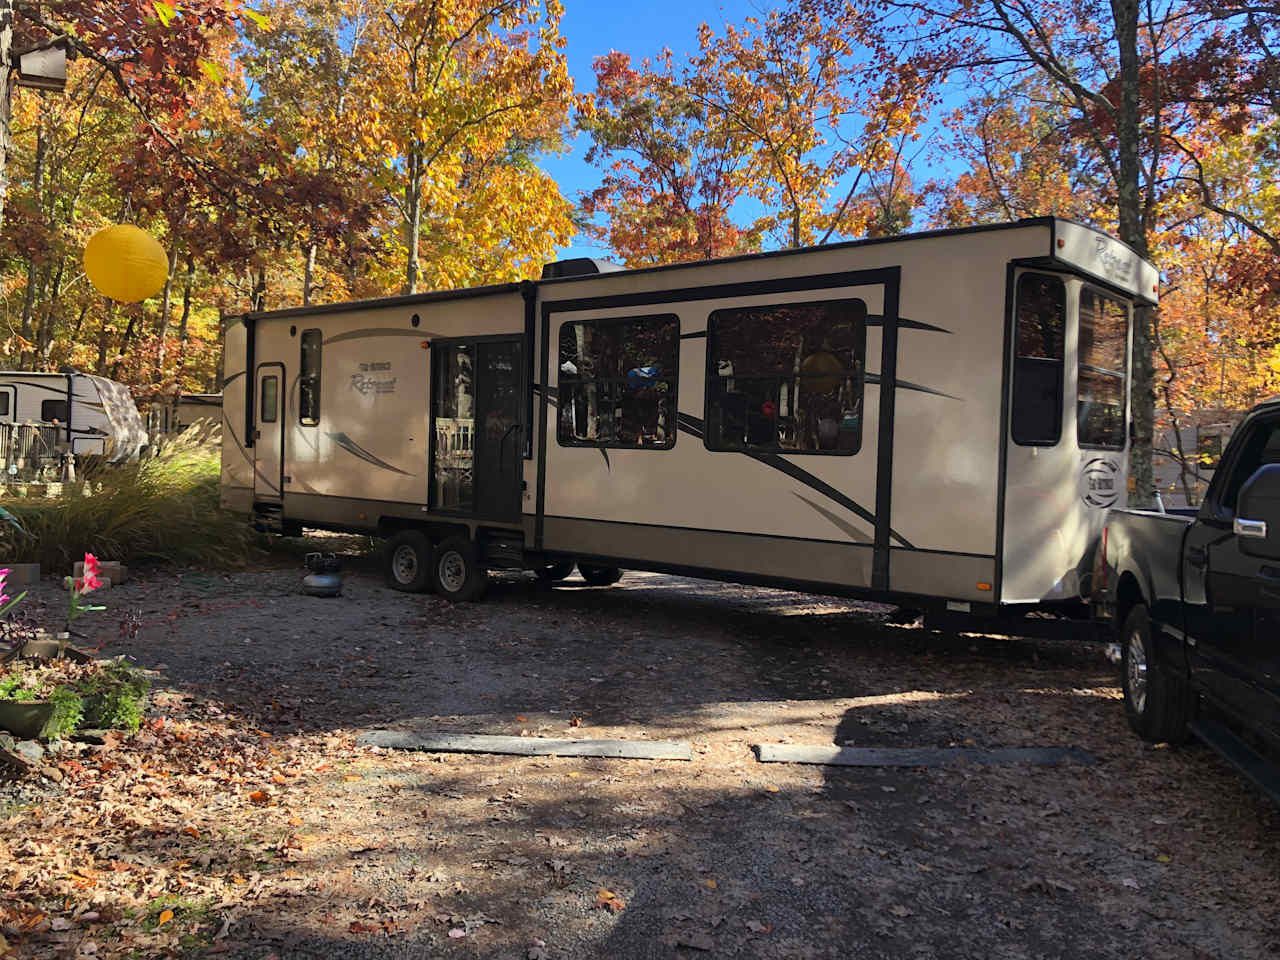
(1125, 378)
(309, 383)
(673, 380)
(262, 399)
(712, 372)
(1023, 365)
(7, 395)
(62, 405)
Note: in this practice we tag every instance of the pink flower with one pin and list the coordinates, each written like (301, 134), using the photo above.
(91, 566)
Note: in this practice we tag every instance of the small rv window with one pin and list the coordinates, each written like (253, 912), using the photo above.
(4, 403)
(270, 392)
(309, 380)
(618, 382)
(1040, 315)
(1104, 360)
(786, 377)
(54, 410)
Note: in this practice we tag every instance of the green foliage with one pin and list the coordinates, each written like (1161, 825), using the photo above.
(19, 685)
(113, 700)
(68, 713)
(163, 508)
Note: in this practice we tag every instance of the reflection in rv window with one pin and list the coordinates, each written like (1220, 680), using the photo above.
(1104, 350)
(1037, 366)
(270, 395)
(618, 382)
(787, 377)
(54, 410)
(453, 411)
(309, 379)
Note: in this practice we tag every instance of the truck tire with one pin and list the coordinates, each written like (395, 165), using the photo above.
(1159, 706)
(457, 572)
(554, 572)
(408, 561)
(599, 576)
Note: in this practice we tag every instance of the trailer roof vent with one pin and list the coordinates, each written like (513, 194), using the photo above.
(578, 267)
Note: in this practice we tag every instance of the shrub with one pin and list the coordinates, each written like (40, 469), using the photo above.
(113, 700)
(162, 507)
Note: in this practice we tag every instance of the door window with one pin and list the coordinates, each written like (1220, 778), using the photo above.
(1261, 446)
(270, 398)
(1040, 317)
(455, 426)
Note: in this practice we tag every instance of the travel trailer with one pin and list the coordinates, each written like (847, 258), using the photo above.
(93, 415)
(164, 417)
(939, 419)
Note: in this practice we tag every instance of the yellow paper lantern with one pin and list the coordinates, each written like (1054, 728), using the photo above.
(125, 263)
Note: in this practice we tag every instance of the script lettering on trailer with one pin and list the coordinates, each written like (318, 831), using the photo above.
(368, 380)
(1115, 264)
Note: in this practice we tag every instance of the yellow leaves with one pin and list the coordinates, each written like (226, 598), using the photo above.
(191, 832)
(165, 916)
(211, 70)
(262, 22)
(165, 12)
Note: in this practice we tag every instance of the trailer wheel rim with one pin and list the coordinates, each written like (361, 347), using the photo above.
(1137, 671)
(453, 571)
(404, 563)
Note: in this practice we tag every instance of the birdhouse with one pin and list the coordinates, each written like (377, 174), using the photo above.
(44, 67)
(125, 263)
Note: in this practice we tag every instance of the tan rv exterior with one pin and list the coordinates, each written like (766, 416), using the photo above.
(877, 458)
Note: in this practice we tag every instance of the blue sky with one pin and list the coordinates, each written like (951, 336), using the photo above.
(593, 28)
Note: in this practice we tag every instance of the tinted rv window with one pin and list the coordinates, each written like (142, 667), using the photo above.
(1040, 311)
(4, 403)
(54, 410)
(618, 382)
(309, 380)
(270, 391)
(786, 377)
(1103, 385)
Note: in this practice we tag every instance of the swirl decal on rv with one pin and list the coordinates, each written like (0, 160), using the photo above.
(1100, 482)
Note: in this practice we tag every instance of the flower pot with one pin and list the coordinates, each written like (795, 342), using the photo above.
(25, 718)
(44, 648)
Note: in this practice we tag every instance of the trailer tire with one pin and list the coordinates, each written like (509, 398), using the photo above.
(599, 576)
(457, 572)
(409, 561)
(555, 572)
(1159, 706)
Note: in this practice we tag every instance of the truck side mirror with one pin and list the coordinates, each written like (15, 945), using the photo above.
(1257, 523)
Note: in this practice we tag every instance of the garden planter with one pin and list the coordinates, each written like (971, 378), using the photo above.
(25, 719)
(44, 648)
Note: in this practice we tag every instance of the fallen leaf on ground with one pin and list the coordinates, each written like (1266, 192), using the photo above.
(258, 796)
(608, 900)
(898, 910)
(712, 884)
(457, 933)
(165, 917)
(352, 777)
(755, 926)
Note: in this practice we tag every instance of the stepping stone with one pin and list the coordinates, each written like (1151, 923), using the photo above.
(916, 756)
(526, 746)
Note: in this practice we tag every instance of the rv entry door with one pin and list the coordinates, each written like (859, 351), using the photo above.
(478, 427)
(268, 437)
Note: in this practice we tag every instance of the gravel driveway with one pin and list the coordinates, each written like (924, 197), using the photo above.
(1144, 853)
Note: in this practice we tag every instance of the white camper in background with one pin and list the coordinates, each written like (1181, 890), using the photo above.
(94, 416)
(938, 419)
(165, 418)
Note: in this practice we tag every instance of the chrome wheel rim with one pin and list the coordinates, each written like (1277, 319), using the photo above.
(453, 571)
(404, 564)
(1137, 672)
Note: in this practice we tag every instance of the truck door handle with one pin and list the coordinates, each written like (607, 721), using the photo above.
(1197, 557)
(1253, 529)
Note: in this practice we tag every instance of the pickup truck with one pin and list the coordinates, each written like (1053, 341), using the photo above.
(1195, 601)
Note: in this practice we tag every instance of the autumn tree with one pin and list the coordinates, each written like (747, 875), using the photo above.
(457, 98)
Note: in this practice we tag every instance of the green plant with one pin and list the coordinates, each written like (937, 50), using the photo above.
(162, 507)
(68, 712)
(114, 698)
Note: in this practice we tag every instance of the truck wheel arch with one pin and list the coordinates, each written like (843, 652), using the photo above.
(1128, 595)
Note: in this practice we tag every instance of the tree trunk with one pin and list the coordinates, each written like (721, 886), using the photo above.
(413, 224)
(187, 283)
(257, 299)
(166, 302)
(134, 314)
(104, 336)
(44, 332)
(6, 47)
(309, 274)
(37, 189)
(1133, 232)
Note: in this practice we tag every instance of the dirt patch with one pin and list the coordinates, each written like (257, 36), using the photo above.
(360, 853)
